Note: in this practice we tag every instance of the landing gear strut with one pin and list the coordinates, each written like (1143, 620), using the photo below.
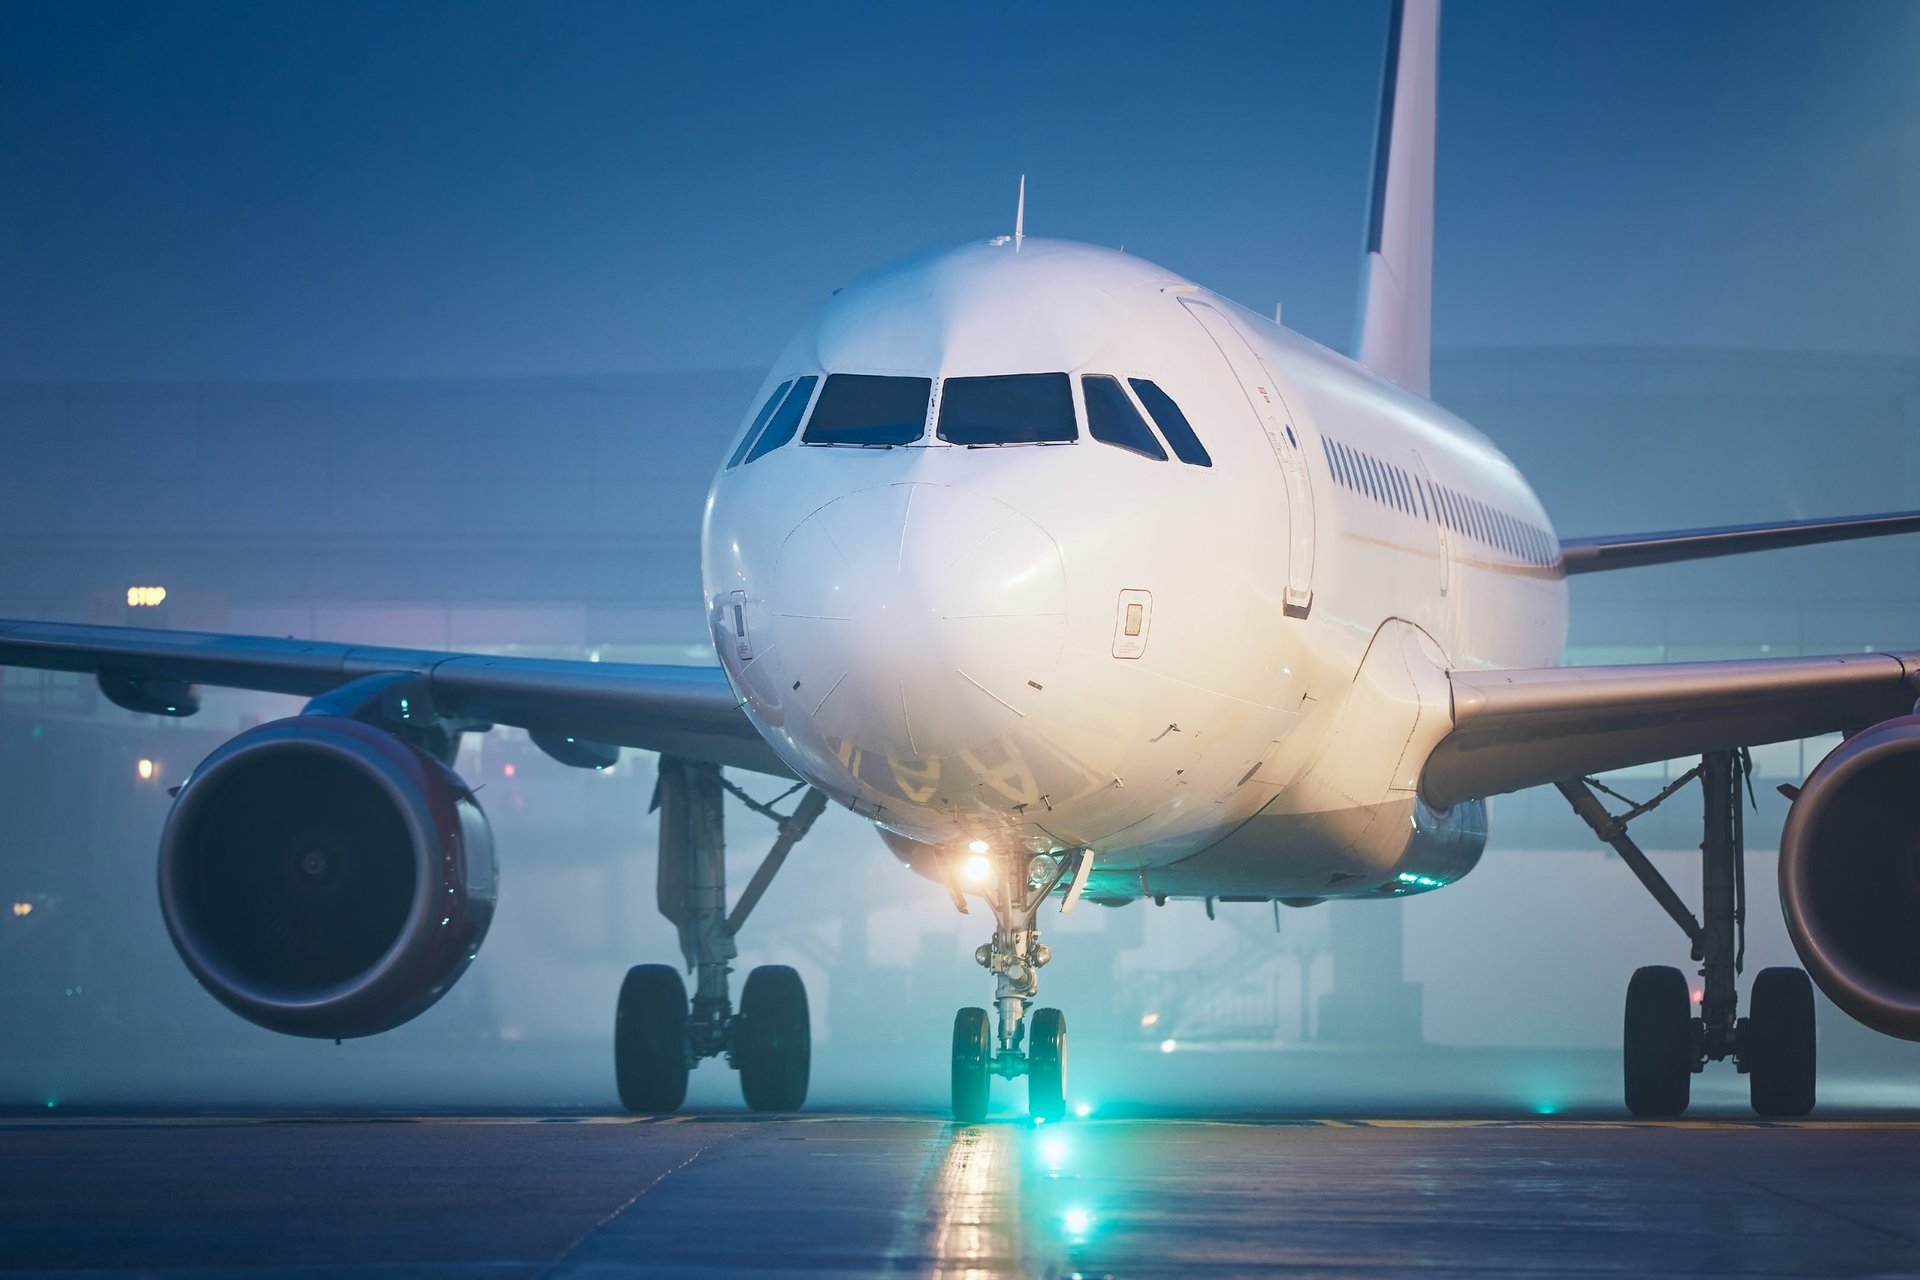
(1021, 1045)
(658, 1035)
(1664, 1043)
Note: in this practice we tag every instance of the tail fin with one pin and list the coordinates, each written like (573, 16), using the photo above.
(1396, 305)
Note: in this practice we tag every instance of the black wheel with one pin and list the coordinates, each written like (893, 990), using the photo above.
(1658, 1044)
(972, 1059)
(1777, 1043)
(1047, 1065)
(650, 1039)
(773, 1041)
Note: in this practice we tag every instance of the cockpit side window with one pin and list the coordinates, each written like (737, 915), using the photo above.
(759, 421)
(1021, 408)
(1112, 419)
(877, 411)
(1173, 424)
(786, 421)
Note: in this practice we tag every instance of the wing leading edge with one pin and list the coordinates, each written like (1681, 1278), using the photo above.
(1514, 729)
(687, 711)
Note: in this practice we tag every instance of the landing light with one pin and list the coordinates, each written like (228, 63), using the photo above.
(977, 846)
(144, 769)
(977, 868)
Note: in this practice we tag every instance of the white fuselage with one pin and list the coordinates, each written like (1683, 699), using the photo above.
(1221, 679)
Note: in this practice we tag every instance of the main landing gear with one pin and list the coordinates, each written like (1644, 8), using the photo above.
(658, 1035)
(1032, 1046)
(1665, 1044)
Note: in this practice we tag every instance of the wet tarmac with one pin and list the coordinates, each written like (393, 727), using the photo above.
(820, 1195)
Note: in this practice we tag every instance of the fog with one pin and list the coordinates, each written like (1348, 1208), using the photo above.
(473, 396)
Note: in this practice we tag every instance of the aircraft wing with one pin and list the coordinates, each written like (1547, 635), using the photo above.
(687, 711)
(1631, 551)
(1514, 729)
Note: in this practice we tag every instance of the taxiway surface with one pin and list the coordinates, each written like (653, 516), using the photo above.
(726, 1194)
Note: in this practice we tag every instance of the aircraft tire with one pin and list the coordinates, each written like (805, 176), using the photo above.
(773, 1046)
(972, 1065)
(1047, 1066)
(650, 1039)
(1657, 1044)
(1778, 1044)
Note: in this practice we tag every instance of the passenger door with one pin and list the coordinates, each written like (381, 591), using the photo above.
(1257, 384)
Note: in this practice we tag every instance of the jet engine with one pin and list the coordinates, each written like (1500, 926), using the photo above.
(323, 878)
(1850, 876)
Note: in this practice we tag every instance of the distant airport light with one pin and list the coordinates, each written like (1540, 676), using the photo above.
(1077, 1221)
(1149, 1019)
(1169, 1045)
(1054, 1150)
(1084, 1110)
(145, 597)
(144, 769)
(22, 908)
(977, 868)
(977, 846)
(508, 771)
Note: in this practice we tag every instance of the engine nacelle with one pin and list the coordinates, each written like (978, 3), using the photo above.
(323, 878)
(1850, 876)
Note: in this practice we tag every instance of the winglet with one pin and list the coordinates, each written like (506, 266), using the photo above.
(1396, 299)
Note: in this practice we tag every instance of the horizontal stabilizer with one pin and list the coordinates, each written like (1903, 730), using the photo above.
(1630, 551)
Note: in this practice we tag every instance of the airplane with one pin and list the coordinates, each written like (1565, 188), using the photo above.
(1081, 583)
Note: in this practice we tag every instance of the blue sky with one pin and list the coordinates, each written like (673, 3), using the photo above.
(209, 191)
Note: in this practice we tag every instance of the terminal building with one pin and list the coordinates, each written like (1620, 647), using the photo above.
(560, 517)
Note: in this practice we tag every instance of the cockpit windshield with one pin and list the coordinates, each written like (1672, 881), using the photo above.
(1023, 408)
(868, 409)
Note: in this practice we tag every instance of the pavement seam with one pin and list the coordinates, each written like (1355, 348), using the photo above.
(1802, 1201)
(561, 1259)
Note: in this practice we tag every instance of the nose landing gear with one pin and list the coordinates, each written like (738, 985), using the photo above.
(658, 1034)
(1032, 1046)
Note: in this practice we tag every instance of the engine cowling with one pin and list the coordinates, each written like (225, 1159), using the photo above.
(1850, 876)
(323, 878)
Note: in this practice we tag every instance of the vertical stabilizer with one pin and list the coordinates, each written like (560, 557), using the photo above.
(1396, 289)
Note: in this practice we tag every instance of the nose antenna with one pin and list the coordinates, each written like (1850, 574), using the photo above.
(1020, 215)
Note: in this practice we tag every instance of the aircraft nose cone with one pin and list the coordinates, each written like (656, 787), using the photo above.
(917, 620)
